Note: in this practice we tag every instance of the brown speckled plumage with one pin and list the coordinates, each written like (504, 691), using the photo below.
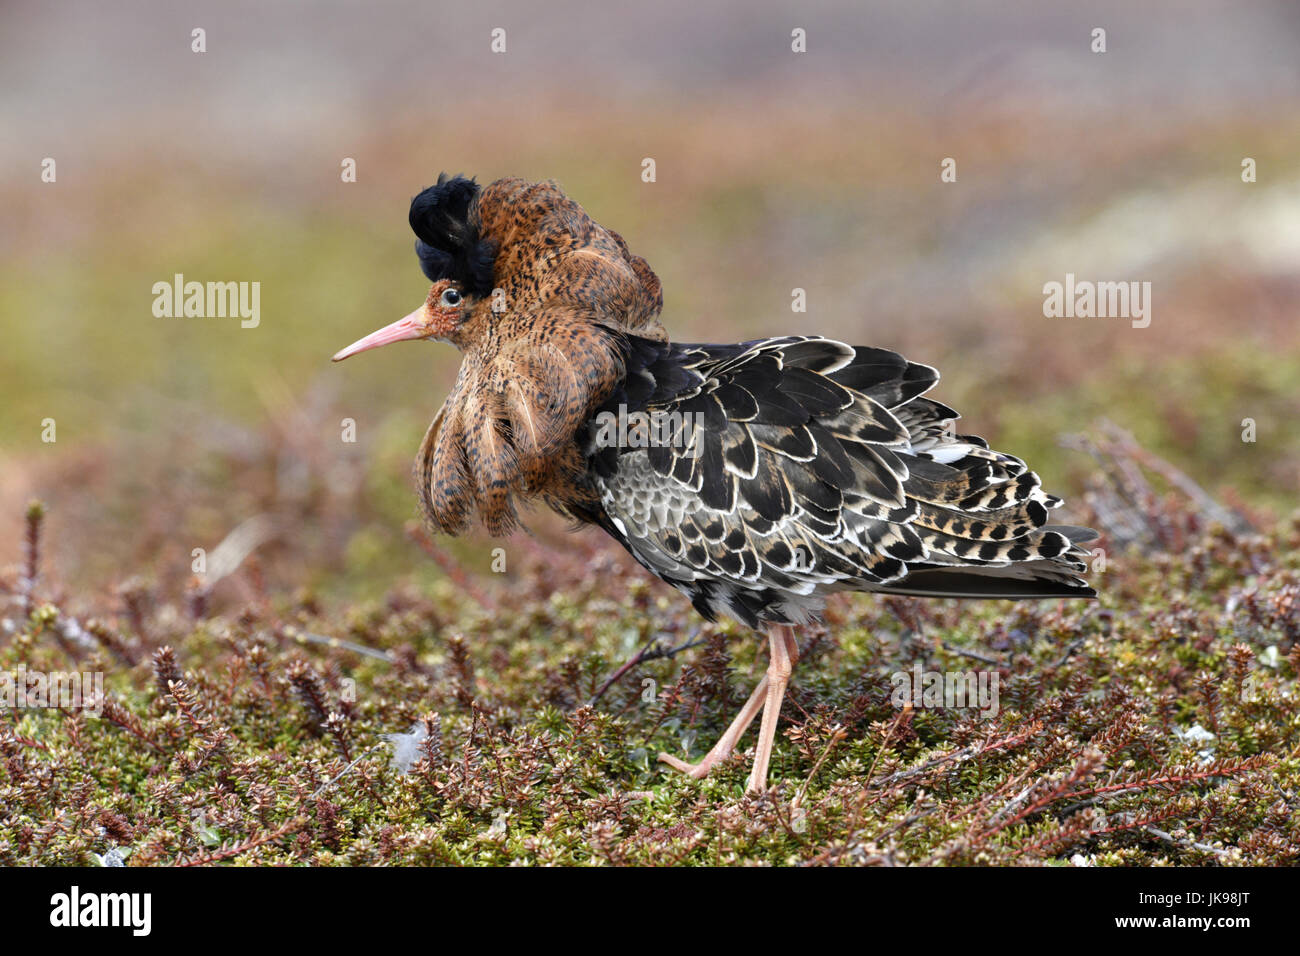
(541, 351)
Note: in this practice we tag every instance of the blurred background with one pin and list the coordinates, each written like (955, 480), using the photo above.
(775, 170)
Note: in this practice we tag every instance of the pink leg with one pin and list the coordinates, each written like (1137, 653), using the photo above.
(784, 653)
(766, 697)
(727, 742)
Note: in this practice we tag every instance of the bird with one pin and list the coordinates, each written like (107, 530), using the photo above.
(756, 478)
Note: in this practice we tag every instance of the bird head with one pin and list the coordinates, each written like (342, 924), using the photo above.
(540, 299)
(453, 256)
(442, 317)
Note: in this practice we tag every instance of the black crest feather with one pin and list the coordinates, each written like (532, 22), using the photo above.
(449, 245)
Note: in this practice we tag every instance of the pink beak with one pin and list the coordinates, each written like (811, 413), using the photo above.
(413, 326)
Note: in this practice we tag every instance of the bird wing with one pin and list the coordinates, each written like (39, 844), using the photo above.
(772, 472)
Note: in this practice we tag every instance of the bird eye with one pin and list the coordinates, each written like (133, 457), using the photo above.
(450, 297)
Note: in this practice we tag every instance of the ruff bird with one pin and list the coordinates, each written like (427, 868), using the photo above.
(756, 478)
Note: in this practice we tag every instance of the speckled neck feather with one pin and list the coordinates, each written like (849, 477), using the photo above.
(541, 351)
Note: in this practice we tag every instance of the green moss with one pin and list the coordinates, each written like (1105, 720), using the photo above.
(1083, 758)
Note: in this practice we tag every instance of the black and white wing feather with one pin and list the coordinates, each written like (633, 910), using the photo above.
(760, 477)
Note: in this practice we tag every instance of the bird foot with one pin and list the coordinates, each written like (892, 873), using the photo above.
(766, 698)
(696, 771)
